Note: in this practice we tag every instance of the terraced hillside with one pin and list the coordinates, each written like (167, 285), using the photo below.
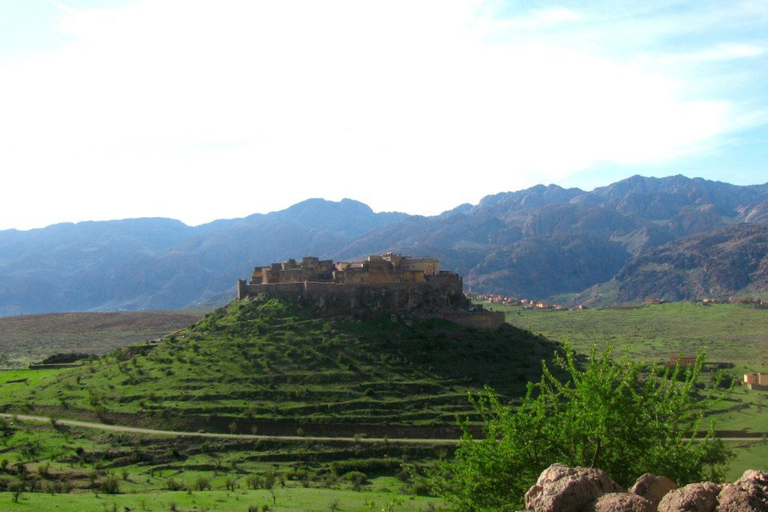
(272, 367)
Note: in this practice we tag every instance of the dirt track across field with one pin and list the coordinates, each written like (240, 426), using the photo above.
(175, 433)
(255, 437)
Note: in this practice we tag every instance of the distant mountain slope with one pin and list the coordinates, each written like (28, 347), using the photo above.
(540, 242)
(548, 265)
(720, 263)
(162, 263)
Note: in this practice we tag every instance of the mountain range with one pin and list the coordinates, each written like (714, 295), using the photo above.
(674, 238)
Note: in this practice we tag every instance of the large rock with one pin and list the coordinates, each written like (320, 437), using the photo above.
(653, 488)
(563, 489)
(621, 502)
(691, 498)
(748, 494)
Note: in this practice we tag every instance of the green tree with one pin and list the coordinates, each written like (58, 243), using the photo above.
(609, 415)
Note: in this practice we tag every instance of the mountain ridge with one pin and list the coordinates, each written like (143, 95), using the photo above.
(570, 239)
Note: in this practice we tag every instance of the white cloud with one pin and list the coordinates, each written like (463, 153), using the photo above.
(542, 19)
(196, 110)
(720, 52)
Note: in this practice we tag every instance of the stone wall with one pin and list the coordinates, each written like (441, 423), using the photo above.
(439, 296)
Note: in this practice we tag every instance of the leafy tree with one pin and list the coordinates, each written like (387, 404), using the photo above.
(608, 415)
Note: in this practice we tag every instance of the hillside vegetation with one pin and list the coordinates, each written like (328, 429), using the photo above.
(271, 366)
(728, 333)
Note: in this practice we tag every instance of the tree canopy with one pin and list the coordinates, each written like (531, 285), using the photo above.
(615, 416)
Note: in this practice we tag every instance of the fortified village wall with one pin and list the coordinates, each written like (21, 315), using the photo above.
(390, 283)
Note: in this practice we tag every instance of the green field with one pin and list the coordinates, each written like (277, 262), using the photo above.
(748, 455)
(53, 467)
(730, 333)
(263, 367)
(288, 500)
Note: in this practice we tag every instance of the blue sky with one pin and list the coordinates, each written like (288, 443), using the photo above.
(203, 110)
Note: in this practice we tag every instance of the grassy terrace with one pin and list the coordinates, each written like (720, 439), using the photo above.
(83, 470)
(263, 366)
(257, 366)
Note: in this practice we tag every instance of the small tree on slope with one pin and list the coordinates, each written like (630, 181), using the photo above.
(609, 415)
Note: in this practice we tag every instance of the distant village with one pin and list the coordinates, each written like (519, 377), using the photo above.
(504, 300)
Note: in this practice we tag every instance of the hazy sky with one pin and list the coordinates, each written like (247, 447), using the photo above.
(199, 110)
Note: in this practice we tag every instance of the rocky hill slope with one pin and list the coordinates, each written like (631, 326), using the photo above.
(726, 261)
(542, 242)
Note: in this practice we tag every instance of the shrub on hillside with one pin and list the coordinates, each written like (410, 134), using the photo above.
(609, 415)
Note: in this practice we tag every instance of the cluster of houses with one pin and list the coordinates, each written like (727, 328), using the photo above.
(758, 303)
(503, 300)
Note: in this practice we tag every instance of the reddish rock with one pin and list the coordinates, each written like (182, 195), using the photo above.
(563, 489)
(621, 502)
(748, 494)
(691, 498)
(652, 487)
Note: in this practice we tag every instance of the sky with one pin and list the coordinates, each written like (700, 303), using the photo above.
(199, 110)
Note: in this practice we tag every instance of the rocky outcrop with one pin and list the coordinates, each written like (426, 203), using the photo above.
(691, 498)
(564, 489)
(620, 502)
(652, 487)
(748, 493)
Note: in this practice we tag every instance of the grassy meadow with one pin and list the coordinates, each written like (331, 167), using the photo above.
(54, 467)
(259, 367)
(730, 333)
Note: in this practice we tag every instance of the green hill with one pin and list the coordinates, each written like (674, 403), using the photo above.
(270, 366)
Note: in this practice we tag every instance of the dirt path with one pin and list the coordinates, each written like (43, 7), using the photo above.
(175, 433)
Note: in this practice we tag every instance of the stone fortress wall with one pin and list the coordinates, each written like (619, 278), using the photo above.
(390, 283)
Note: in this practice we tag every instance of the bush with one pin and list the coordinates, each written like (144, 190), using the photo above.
(356, 478)
(610, 416)
(174, 485)
(369, 466)
(202, 483)
(110, 485)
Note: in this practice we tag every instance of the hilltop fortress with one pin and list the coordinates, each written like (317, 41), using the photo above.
(389, 283)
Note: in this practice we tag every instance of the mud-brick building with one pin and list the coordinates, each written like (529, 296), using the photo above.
(756, 380)
(389, 283)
